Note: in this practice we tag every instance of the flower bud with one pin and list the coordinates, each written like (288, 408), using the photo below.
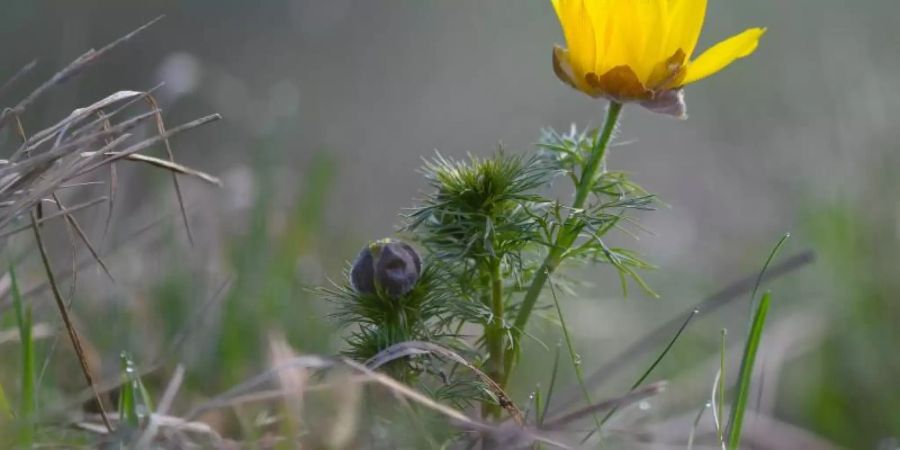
(386, 266)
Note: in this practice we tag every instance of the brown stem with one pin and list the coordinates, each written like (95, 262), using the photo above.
(67, 321)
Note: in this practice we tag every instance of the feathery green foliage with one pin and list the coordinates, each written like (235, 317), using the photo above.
(494, 232)
(481, 209)
(379, 321)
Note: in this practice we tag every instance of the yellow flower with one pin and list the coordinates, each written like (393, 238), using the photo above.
(640, 50)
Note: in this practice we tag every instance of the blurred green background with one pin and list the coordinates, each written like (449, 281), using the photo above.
(329, 107)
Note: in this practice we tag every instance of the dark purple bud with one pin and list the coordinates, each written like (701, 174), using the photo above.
(389, 266)
(670, 103)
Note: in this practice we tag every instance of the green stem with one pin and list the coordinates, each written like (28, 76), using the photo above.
(567, 235)
(495, 331)
(588, 176)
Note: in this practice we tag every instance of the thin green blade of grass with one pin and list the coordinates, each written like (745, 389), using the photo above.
(145, 396)
(690, 444)
(739, 406)
(249, 431)
(765, 268)
(6, 411)
(538, 412)
(28, 401)
(716, 410)
(720, 391)
(541, 414)
(650, 369)
(706, 306)
(576, 359)
(658, 359)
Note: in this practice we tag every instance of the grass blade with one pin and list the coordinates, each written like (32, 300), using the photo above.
(720, 391)
(747, 361)
(145, 396)
(690, 445)
(128, 404)
(541, 415)
(6, 411)
(161, 128)
(762, 273)
(28, 401)
(716, 410)
(658, 359)
(67, 320)
(650, 369)
(576, 361)
(707, 306)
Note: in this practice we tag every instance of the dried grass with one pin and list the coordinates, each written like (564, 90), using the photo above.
(73, 154)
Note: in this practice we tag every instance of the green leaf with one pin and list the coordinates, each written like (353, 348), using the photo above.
(743, 387)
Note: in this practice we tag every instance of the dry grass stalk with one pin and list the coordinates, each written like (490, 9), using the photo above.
(414, 348)
(59, 156)
(293, 381)
(67, 321)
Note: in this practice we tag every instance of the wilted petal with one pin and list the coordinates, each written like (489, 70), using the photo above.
(620, 84)
(668, 102)
(667, 73)
(562, 68)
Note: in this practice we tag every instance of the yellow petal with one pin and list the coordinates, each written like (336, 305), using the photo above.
(600, 14)
(619, 35)
(685, 20)
(644, 21)
(579, 33)
(654, 51)
(722, 54)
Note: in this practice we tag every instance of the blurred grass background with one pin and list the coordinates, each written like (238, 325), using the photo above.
(329, 107)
